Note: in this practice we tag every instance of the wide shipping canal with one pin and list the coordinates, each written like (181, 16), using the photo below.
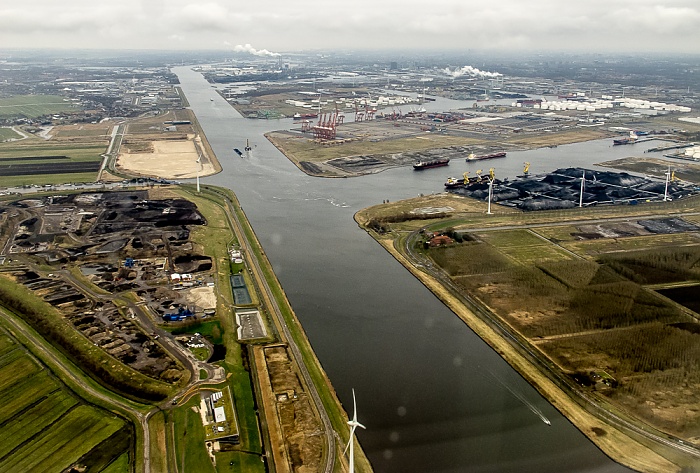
(434, 397)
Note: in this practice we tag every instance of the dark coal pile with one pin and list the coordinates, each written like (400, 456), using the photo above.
(563, 189)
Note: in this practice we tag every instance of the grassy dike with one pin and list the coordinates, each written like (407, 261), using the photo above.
(634, 452)
(329, 398)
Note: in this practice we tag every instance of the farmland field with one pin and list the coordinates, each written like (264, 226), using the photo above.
(7, 133)
(32, 106)
(49, 162)
(588, 297)
(44, 425)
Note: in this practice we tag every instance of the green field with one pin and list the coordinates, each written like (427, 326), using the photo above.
(83, 153)
(44, 425)
(90, 152)
(190, 451)
(32, 106)
(8, 134)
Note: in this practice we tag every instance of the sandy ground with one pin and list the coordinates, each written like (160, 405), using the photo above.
(170, 159)
(203, 297)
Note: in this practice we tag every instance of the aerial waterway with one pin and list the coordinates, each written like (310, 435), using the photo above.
(419, 372)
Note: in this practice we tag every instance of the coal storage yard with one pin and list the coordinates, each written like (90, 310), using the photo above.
(562, 189)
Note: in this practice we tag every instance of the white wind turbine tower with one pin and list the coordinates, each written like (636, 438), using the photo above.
(353, 425)
(199, 165)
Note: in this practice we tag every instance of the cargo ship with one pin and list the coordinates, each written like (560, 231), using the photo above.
(431, 163)
(473, 157)
(300, 116)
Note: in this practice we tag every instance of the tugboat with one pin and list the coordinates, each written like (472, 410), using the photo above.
(626, 141)
(431, 163)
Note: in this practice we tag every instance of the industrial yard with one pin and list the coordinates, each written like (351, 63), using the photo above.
(372, 146)
(121, 269)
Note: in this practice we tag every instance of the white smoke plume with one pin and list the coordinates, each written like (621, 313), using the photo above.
(470, 71)
(247, 48)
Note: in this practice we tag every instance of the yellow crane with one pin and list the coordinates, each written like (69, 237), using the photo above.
(492, 173)
(478, 175)
(527, 168)
(466, 178)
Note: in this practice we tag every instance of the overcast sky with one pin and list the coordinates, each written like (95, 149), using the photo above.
(287, 25)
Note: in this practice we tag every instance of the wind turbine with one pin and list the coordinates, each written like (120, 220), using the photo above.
(491, 179)
(199, 162)
(353, 425)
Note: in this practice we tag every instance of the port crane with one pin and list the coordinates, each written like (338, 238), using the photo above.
(466, 178)
(478, 175)
(492, 173)
(526, 169)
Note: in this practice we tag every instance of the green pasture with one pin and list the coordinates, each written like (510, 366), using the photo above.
(559, 233)
(32, 106)
(511, 238)
(85, 153)
(42, 179)
(57, 447)
(31, 421)
(32, 387)
(91, 152)
(16, 367)
(44, 426)
(6, 344)
(536, 253)
(646, 242)
(7, 133)
(210, 329)
(120, 465)
(190, 450)
(101, 132)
